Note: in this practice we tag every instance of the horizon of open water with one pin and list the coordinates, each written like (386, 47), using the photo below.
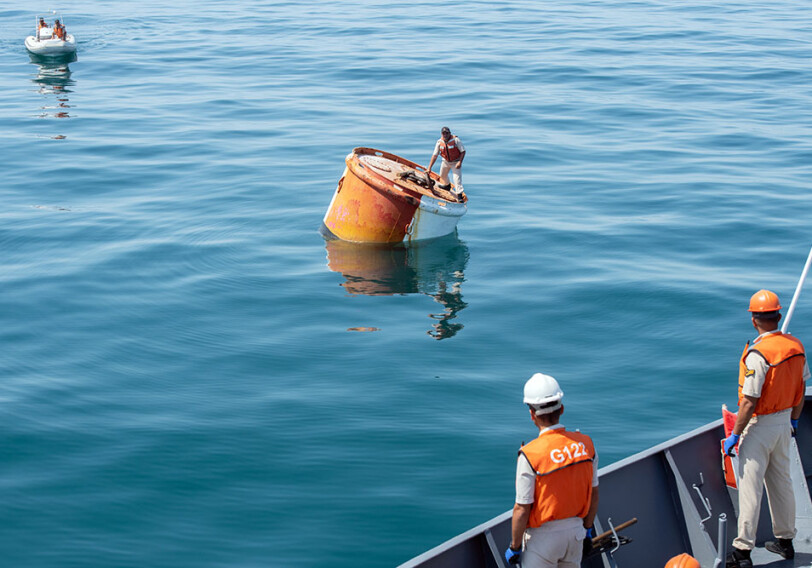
(192, 377)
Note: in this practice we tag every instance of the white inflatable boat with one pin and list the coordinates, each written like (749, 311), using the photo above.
(44, 40)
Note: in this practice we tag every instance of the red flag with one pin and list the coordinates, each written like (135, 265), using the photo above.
(729, 463)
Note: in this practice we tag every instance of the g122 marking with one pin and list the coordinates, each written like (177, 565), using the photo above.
(571, 451)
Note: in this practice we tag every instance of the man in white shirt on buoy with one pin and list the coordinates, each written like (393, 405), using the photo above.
(452, 152)
(556, 487)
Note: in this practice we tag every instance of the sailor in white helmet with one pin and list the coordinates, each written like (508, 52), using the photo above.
(556, 486)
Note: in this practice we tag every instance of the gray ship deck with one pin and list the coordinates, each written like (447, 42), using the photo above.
(677, 492)
(802, 543)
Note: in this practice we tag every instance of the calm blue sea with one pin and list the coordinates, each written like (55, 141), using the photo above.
(190, 376)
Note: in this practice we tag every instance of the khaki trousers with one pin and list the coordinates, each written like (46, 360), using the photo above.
(553, 549)
(764, 462)
(455, 169)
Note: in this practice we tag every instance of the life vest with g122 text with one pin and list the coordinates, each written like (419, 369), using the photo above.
(563, 464)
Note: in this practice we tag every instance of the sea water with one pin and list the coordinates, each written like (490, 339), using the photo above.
(193, 377)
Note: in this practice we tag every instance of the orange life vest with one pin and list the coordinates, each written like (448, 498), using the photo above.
(449, 150)
(563, 464)
(784, 385)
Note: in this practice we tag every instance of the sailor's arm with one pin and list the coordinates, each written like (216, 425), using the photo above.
(434, 155)
(525, 497)
(796, 410)
(521, 514)
(746, 409)
(461, 148)
(589, 520)
(751, 390)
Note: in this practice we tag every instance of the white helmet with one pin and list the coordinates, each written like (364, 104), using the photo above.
(542, 390)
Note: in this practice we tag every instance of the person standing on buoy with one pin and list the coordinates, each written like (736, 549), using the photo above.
(556, 487)
(772, 373)
(452, 152)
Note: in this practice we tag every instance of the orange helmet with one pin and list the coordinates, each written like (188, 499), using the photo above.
(684, 560)
(764, 301)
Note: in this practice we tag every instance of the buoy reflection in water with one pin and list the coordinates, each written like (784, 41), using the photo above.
(434, 268)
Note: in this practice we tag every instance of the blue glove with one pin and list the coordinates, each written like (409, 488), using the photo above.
(794, 423)
(513, 557)
(590, 534)
(731, 441)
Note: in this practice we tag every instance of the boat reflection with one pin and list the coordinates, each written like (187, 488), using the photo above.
(435, 268)
(54, 82)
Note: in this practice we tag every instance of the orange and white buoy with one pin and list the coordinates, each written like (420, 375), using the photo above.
(383, 198)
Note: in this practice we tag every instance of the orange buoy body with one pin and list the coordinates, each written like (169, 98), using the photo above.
(383, 198)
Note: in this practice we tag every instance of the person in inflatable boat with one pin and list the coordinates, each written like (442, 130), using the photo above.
(59, 30)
